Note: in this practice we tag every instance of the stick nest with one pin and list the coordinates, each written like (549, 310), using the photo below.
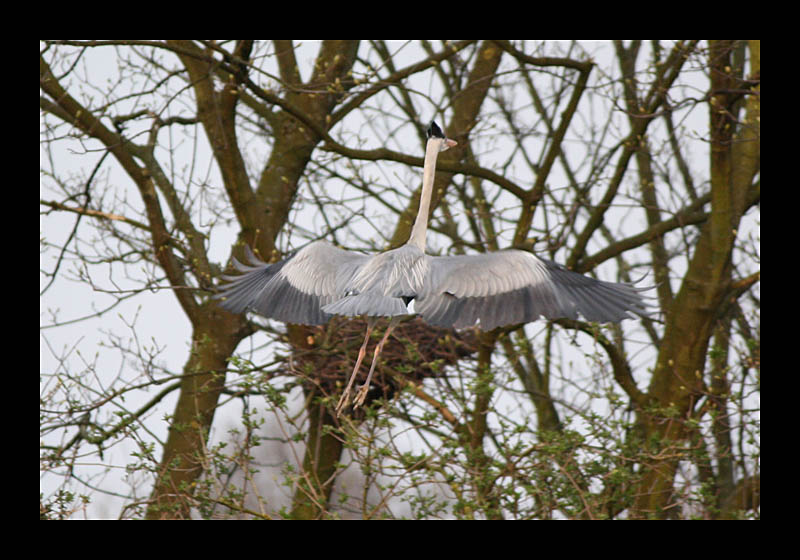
(414, 351)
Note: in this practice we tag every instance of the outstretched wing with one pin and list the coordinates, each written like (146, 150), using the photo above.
(512, 287)
(292, 290)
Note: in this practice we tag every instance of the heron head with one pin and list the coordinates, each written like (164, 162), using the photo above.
(435, 133)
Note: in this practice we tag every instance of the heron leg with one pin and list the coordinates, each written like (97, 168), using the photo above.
(364, 389)
(345, 398)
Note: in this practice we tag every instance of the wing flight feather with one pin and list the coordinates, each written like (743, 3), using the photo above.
(292, 290)
(512, 287)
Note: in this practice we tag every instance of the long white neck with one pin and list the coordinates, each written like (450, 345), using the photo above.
(420, 229)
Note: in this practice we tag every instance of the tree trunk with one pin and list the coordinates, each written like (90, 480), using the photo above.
(678, 379)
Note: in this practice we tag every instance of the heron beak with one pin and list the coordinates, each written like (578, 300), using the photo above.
(447, 144)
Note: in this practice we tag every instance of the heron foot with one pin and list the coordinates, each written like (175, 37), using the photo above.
(361, 396)
(344, 400)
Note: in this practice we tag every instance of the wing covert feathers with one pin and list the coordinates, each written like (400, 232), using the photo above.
(513, 287)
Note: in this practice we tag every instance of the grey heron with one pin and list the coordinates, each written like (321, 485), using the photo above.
(486, 290)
